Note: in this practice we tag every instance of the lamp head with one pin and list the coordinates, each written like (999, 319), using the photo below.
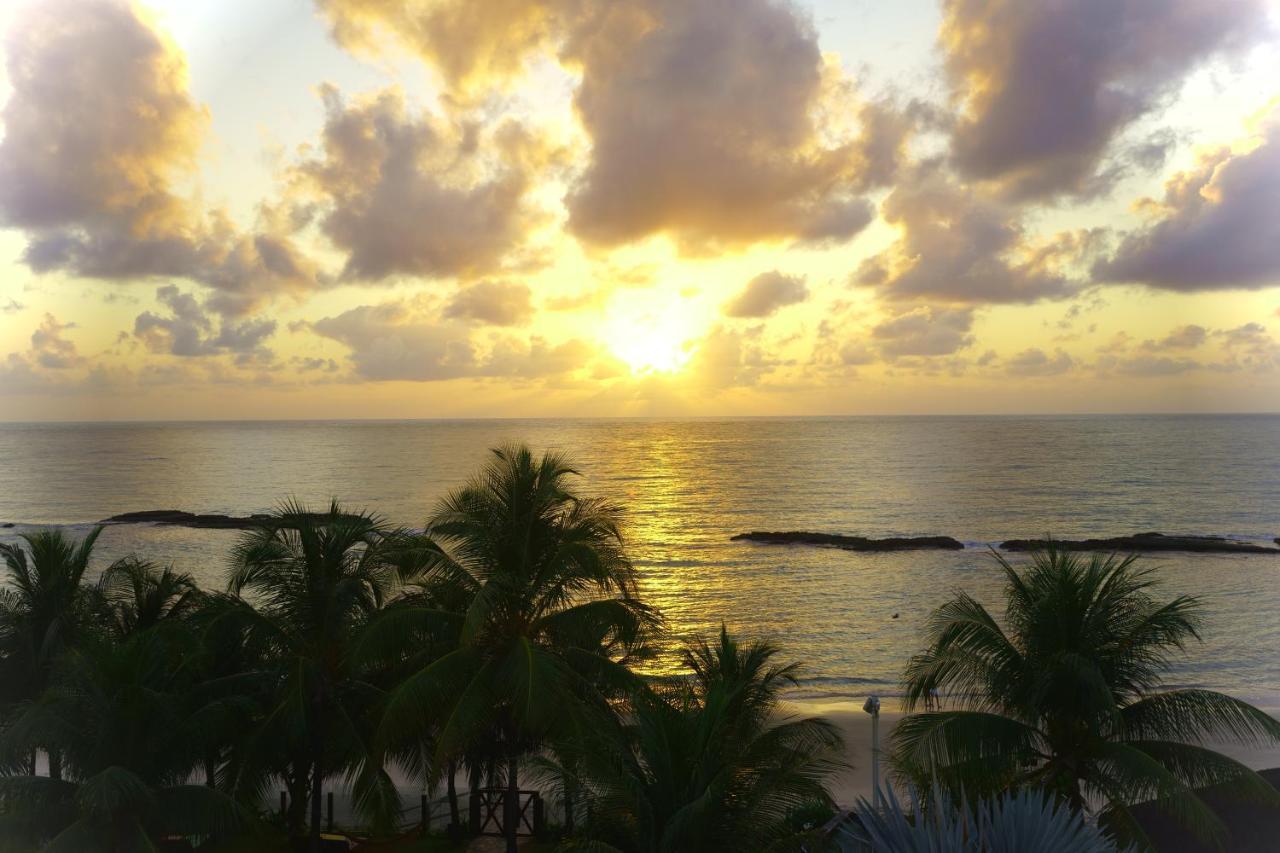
(872, 705)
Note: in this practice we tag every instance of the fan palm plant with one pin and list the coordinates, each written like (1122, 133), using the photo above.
(43, 612)
(121, 712)
(1012, 822)
(550, 623)
(709, 763)
(1066, 695)
(308, 584)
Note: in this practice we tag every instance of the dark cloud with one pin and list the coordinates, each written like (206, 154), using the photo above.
(414, 195)
(1036, 362)
(924, 331)
(717, 122)
(958, 245)
(1217, 227)
(499, 303)
(189, 330)
(396, 341)
(12, 306)
(98, 128)
(766, 293)
(1044, 86)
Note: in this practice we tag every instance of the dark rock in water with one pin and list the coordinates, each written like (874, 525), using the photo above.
(187, 519)
(852, 543)
(1145, 542)
(8, 524)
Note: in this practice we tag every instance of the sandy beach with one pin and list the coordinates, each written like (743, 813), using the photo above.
(856, 726)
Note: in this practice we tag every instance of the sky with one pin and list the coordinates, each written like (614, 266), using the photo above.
(529, 208)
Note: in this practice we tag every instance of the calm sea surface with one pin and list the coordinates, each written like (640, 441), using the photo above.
(690, 485)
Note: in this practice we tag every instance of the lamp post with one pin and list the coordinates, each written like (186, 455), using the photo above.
(872, 707)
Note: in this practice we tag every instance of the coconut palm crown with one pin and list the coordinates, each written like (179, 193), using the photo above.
(551, 616)
(709, 761)
(1066, 695)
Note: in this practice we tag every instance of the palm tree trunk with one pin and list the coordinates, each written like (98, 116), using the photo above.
(511, 805)
(473, 804)
(568, 806)
(210, 770)
(55, 764)
(455, 817)
(317, 779)
(298, 783)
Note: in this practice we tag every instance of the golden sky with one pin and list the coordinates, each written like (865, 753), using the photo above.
(452, 208)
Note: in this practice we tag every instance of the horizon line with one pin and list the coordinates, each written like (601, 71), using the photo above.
(673, 417)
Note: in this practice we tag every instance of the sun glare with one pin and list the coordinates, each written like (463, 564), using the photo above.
(649, 338)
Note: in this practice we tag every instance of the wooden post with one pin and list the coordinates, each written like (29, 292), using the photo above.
(426, 814)
(330, 804)
(539, 815)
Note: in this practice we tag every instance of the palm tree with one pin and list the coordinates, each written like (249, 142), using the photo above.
(122, 716)
(308, 584)
(551, 618)
(42, 614)
(137, 595)
(709, 763)
(1066, 695)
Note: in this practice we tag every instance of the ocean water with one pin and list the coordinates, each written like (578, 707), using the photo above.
(854, 619)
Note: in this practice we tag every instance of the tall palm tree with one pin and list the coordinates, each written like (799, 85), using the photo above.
(309, 584)
(121, 714)
(709, 763)
(1066, 695)
(43, 613)
(551, 619)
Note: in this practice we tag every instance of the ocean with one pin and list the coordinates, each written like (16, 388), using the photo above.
(853, 618)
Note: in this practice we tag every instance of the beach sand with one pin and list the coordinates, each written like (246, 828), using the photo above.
(856, 726)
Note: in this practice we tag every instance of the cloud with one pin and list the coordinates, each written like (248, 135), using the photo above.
(46, 364)
(1036, 362)
(50, 349)
(958, 245)
(704, 121)
(717, 122)
(1184, 337)
(1147, 365)
(729, 358)
(99, 129)
(12, 306)
(1045, 86)
(398, 341)
(1218, 226)
(188, 330)
(416, 194)
(924, 331)
(766, 293)
(499, 303)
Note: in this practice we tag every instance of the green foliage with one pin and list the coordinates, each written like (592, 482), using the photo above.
(709, 763)
(304, 588)
(1012, 822)
(535, 586)
(1066, 695)
(124, 716)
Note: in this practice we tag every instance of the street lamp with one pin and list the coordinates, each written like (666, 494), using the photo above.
(872, 707)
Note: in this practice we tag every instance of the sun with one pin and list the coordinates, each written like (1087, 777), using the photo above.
(650, 335)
